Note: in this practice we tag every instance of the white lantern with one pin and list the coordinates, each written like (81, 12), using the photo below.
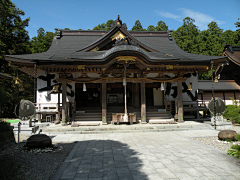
(84, 87)
(162, 86)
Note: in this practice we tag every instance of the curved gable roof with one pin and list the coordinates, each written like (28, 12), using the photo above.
(76, 45)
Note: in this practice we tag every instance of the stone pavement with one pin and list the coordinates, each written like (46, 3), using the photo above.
(146, 155)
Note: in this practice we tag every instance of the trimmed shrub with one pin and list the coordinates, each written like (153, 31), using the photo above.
(236, 119)
(234, 151)
(237, 137)
(230, 111)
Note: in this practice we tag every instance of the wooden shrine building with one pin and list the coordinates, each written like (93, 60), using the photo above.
(117, 69)
(231, 69)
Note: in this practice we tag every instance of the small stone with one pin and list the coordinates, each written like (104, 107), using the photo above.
(227, 134)
(39, 141)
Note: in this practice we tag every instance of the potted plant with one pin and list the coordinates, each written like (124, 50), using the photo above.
(64, 121)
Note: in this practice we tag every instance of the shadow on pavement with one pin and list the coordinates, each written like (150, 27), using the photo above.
(103, 159)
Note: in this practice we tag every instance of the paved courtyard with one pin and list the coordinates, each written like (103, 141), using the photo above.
(146, 155)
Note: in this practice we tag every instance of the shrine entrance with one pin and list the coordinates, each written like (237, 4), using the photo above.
(115, 94)
(89, 98)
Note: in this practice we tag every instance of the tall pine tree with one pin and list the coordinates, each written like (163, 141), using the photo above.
(137, 26)
(14, 39)
(187, 36)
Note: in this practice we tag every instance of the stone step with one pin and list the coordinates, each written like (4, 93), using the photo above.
(122, 128)
(98, 116)
(161, 121)
(86, 119)
(121, 131)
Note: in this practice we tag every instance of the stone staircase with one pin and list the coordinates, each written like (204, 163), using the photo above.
(154, 114)
(88, 115)
(158, 116)
(123, 128)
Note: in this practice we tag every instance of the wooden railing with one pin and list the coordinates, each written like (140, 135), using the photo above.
(45, 108)
(54, 108)
(188, 106)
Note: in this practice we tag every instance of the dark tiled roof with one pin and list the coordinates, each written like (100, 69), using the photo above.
(69, 46)
(221, 85)
(231, 70)
(233, 52)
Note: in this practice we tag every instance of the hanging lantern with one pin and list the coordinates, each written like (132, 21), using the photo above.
(84, 87)
(189, 86)
(55, 88)
(217, 78)
(124, 82)
(17, 80)
(162, 86)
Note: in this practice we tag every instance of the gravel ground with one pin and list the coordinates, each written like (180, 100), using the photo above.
(24, 165)
(214, 142)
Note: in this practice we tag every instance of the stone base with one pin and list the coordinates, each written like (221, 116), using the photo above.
(180, 121)
(219, 119)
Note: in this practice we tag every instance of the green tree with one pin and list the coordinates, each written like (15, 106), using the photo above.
(228, 37)
(108, 24)
(213, 40)
(4, 99)
(104, 26)
(42, 41)
(100, 27)
(151, 28)
(187, 36)
(236, 36)
(137, 26)
(161, 26)
(14, 39)
(13, 35)
(237, 24)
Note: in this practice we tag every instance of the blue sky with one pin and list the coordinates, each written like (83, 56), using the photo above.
(86, 14)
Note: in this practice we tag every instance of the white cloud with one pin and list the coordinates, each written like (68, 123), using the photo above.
(169, 15)
(201, 20)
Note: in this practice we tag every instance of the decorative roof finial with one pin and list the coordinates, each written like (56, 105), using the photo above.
(118, 23)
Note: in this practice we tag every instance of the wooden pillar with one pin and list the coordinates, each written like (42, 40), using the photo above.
(64, 97)
(179, 102)
(104, 102)
(58, 110)
(143, 103)
(67, 111)
(135, 94)
(39, 118)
